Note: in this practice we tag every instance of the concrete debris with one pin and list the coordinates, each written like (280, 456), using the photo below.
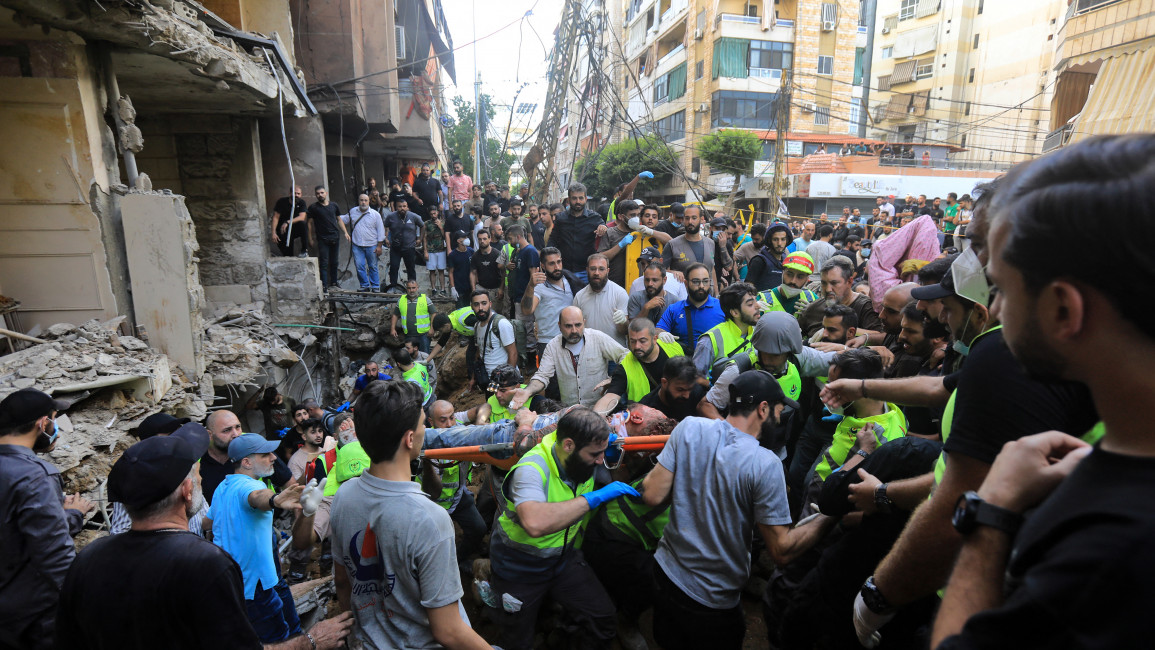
(113, 383)
(238, 340)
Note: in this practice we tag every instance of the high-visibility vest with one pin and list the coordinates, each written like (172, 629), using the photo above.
(422, 314)
(452, 483)
(457, 320)
(508, 530)
(776, 302)
(497, 412)
(637, 381)
(790, 381)
(349, 462)
(844, 442)
(637, 521)
(511, 258)
(726, 340)
(419, 375)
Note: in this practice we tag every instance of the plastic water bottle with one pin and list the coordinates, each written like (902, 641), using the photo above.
(487, 595)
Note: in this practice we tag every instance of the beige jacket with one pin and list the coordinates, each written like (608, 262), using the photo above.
(577, 386)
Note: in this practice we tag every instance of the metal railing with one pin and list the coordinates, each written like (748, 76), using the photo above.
(739, 18)
(671, 54)
(766, 73)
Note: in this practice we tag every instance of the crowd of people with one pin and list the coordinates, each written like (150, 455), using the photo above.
(959, 462)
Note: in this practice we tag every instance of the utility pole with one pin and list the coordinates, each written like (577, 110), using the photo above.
(781, 125)
(869, 7)
(476, 105)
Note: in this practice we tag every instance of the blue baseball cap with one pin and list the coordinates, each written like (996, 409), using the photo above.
(251, 443)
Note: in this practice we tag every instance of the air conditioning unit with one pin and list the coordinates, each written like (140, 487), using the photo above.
(703, 107)
(828, 25)
(885, 30)
(698, 34)
(399, 30)
(809, 107)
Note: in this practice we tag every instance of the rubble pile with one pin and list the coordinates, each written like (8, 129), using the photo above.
(238, 340)
(112, 381)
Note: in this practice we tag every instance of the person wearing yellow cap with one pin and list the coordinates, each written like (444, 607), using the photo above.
(790, 296)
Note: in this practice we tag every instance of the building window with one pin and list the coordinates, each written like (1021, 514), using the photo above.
(701, 21)
(888, 52)
(672, 127)
(768, 150)
(695, 165)
(661, 89)
(699, 69)
(924, 69)
(697, 120)
(967, 109)
(976, 45)
(829, 13)
(825, 64)
(971, 76)
(770, 58)
(821, 116)
(906, 11)
(744, 110)
(752, 10)
(980, 7)
(855, 116)
(963, 141)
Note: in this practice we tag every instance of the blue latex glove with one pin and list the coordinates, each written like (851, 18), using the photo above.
(613, 452)
(626, 241)
(646, 175)
(609, 493)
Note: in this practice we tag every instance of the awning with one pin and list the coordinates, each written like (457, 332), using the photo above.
(915, 42)
(1120, 99)
(919, 103)
(896, 109)
(884, 82)
(1070, 96)
(903, 72)
(926, 8)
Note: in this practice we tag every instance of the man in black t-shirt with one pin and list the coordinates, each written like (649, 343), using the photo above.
(158, 581)
(1077, 572)
(672, 224)
(428, 189)
(680, 390)
(484, 271)
(988, 403)
(325, 231)
(290, 210)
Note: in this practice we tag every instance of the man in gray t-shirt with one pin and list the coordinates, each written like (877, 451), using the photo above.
(721, 484)
(397, 567)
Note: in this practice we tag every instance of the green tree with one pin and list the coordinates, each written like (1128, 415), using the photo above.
(459, 137)
(731, 151)
(603, 171)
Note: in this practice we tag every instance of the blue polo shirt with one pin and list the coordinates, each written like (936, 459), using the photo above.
(244, 531)
(702, 318)
(363, 380)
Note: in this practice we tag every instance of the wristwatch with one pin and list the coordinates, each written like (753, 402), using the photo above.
(874, 599)
(884, 503)
(971, 512)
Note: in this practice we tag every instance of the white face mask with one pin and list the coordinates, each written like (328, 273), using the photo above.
(839, 410)
(789, 291)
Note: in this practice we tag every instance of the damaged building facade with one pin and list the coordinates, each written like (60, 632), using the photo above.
(148, 141)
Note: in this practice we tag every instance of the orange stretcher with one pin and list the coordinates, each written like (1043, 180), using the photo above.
(482, 453)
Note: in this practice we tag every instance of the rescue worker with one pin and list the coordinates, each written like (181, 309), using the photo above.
(414, 372)
(777, 343)
(640, 370)
(791, 296)
(455, 496)
(503, 381)
(547, 500)
(413, 316)
(739, 303)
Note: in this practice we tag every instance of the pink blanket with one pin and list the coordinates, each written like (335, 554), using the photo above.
(916, 240)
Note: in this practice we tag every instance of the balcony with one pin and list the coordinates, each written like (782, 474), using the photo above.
(766, 73)
(739, 18)
(740, 26)
(671, 55)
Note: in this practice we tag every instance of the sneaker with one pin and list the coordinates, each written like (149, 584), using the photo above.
(364, 289)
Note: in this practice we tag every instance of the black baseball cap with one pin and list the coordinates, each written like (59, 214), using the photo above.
(26, 406)
(718, 222)
(757, 386)
(649, 253)
(151, 469)
(677, 208)
(944, 289)
(158, 423)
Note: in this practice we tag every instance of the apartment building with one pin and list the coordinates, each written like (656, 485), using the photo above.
(696, 66)
(975, 74)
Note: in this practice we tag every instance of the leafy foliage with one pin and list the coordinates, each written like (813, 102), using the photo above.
(730, 151)
(459, 136)
(619, 163)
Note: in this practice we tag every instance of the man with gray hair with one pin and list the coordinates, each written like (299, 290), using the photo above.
(575, 230)
(838, 288)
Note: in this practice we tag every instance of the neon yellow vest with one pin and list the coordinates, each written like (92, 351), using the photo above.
(510, 533)
(790, 381)
(419, 375)
(497, 412)
(636, 520)
(771, 297)
(893, 423)
(457, 320)
(351, 462)
(422, 320)
(452, 482)
(726, 340)
(637, 382)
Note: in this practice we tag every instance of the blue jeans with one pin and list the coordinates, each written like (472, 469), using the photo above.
(582, 275)
(366, 260)
(273, 614)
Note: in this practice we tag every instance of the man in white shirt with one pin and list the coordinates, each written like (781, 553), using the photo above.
(368, 233)
(603, 302)
(578, 357)
(495, 341)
